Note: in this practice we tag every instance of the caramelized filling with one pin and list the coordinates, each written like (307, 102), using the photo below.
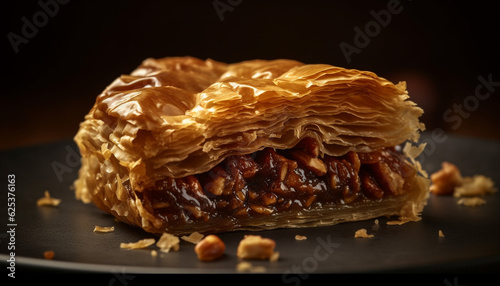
(271, 182)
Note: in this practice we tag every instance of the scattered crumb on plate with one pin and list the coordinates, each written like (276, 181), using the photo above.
(449, 181)
(210, 248)
(440, 233)
(47, 200)
(275, 256)
(401, 221)
(168, 242)
(475, 186)
(49, 254)
(300, 237)
(194, 237)
(446, 179)
(471, 202)
(104, 228)
(143, 243)
(255, 247)
(361, 233)
(246, 266)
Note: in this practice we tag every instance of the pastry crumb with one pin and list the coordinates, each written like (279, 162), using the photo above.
(441, 234)
(47, 200)
(300, 237)
(274, 257)
(361, 233)
(475, 186)
(245, 266)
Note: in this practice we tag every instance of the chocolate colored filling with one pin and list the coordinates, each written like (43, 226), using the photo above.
(271, 182)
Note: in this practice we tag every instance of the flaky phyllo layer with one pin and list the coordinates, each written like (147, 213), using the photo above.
(175, 118)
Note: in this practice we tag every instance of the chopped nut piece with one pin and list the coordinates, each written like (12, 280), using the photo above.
(154, 253)
(477, 185)
(309, 201)
(370, 186)
(445, 180)
(310, 146)
(210, 248)
(283, 171)
(255, 247)
(160, 205)
(220, 182)
(300, 237)
(269, 199)
(49, 254)
(471, 202)
(315, 165)
(194, 237)
(194, 210)
(47, 200)
(361, 233)
(353, 158)
(139, 244)
(217, 186)
(168, 242)
(441, 234)
(104, 228)
(261, 210)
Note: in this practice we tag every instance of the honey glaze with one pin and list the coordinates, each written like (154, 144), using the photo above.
(272, 182)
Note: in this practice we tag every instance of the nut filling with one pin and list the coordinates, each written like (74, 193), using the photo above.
(271, 182)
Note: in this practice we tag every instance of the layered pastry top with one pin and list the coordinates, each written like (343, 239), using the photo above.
(182, 116)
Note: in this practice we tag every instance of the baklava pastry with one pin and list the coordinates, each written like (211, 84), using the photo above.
(183, 145)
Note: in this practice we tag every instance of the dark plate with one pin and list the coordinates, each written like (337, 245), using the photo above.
(471, 242)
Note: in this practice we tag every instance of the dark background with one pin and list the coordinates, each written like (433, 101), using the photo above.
(439, 47)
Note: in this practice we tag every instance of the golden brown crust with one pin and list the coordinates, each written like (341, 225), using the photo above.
(175, 117)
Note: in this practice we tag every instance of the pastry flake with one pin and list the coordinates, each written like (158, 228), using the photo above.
(168, 242)
(143, 243)
(104, 228)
